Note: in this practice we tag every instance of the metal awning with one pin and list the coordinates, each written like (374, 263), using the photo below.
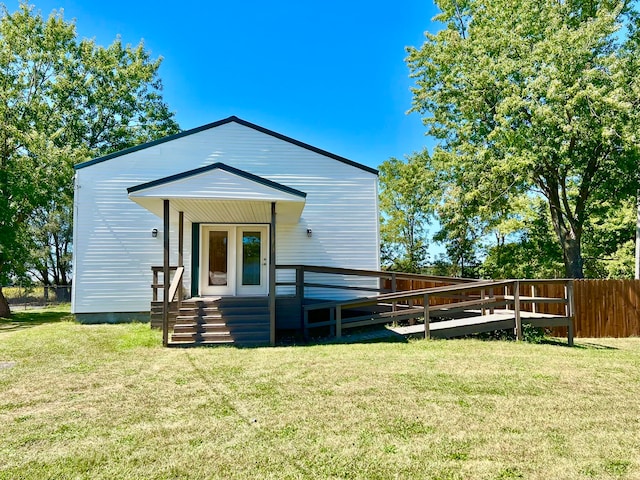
(221, 194)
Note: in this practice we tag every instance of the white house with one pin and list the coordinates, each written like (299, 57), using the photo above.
(233, 204)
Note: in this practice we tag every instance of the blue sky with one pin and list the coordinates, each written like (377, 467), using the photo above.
(328, 73)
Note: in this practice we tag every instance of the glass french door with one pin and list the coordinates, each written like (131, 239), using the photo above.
(251, 258)
(234, 260)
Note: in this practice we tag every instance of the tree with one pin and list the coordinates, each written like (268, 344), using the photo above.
(64, 101)
(536, 97)
(527, 249)
(51, 232)
(609, 241)
(406, 204)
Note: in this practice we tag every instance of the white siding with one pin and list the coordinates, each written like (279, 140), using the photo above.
(114, 249)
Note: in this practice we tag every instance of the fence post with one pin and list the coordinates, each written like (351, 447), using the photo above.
(516, 309)
(425, 304)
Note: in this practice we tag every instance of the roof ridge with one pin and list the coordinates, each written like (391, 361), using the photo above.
(218, 123)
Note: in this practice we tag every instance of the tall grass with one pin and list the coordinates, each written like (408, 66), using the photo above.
(36, 294)
(106, 401)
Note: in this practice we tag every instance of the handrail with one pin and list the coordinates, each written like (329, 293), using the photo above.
(175, 283)
(302, 270)
(156, 285)
(409, 294)
(375, 273)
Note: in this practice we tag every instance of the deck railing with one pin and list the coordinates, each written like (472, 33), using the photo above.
(477, 298)
(300, 285)
(175, 285)
(388, 282)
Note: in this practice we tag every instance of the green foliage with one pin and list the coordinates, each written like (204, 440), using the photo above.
(609, 241)
(407, 192)
(533, 98)
(64, 101)
(530, 250)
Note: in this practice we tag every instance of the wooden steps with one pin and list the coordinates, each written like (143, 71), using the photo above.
(241, 321)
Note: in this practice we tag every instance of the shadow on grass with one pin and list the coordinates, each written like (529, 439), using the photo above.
(373, 334)
(577, 344)
(33, 317)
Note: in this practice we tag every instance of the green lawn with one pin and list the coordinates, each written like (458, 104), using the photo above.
(106, 401)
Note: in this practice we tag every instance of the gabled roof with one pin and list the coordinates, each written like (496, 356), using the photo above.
(220, 193)
(217, 124)
(217, 166)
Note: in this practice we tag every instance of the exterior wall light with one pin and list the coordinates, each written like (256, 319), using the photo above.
(154, 232)
(309, 233)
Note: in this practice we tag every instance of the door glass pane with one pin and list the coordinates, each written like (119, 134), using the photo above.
(251, 258)
(218, 246)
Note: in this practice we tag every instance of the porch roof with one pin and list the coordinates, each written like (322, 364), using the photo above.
(220, 193)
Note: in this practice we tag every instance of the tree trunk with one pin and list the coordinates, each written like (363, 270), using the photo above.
(572, 253)
(569, 235)
(5, 312)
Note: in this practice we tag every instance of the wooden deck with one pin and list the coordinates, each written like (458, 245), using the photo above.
(441, 307)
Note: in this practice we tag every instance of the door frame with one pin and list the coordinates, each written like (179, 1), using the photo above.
(234, 260)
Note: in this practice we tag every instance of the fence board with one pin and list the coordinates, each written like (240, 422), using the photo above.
(605, 308)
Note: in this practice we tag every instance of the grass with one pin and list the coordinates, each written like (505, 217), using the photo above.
(106, 401)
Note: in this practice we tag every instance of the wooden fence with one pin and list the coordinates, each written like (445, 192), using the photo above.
(603, 308)
(607, 308)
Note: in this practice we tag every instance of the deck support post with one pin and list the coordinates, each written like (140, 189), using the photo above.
(516, 310)
(338, 321)
(394, 289)
(491, 310)
(272, 276)
(304, 315)
(180, 254)
(570, 311)
(305, 323)
(165, 272)
(534, 294)
(427, 321)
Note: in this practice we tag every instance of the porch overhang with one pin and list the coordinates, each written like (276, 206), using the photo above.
(219, 193)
